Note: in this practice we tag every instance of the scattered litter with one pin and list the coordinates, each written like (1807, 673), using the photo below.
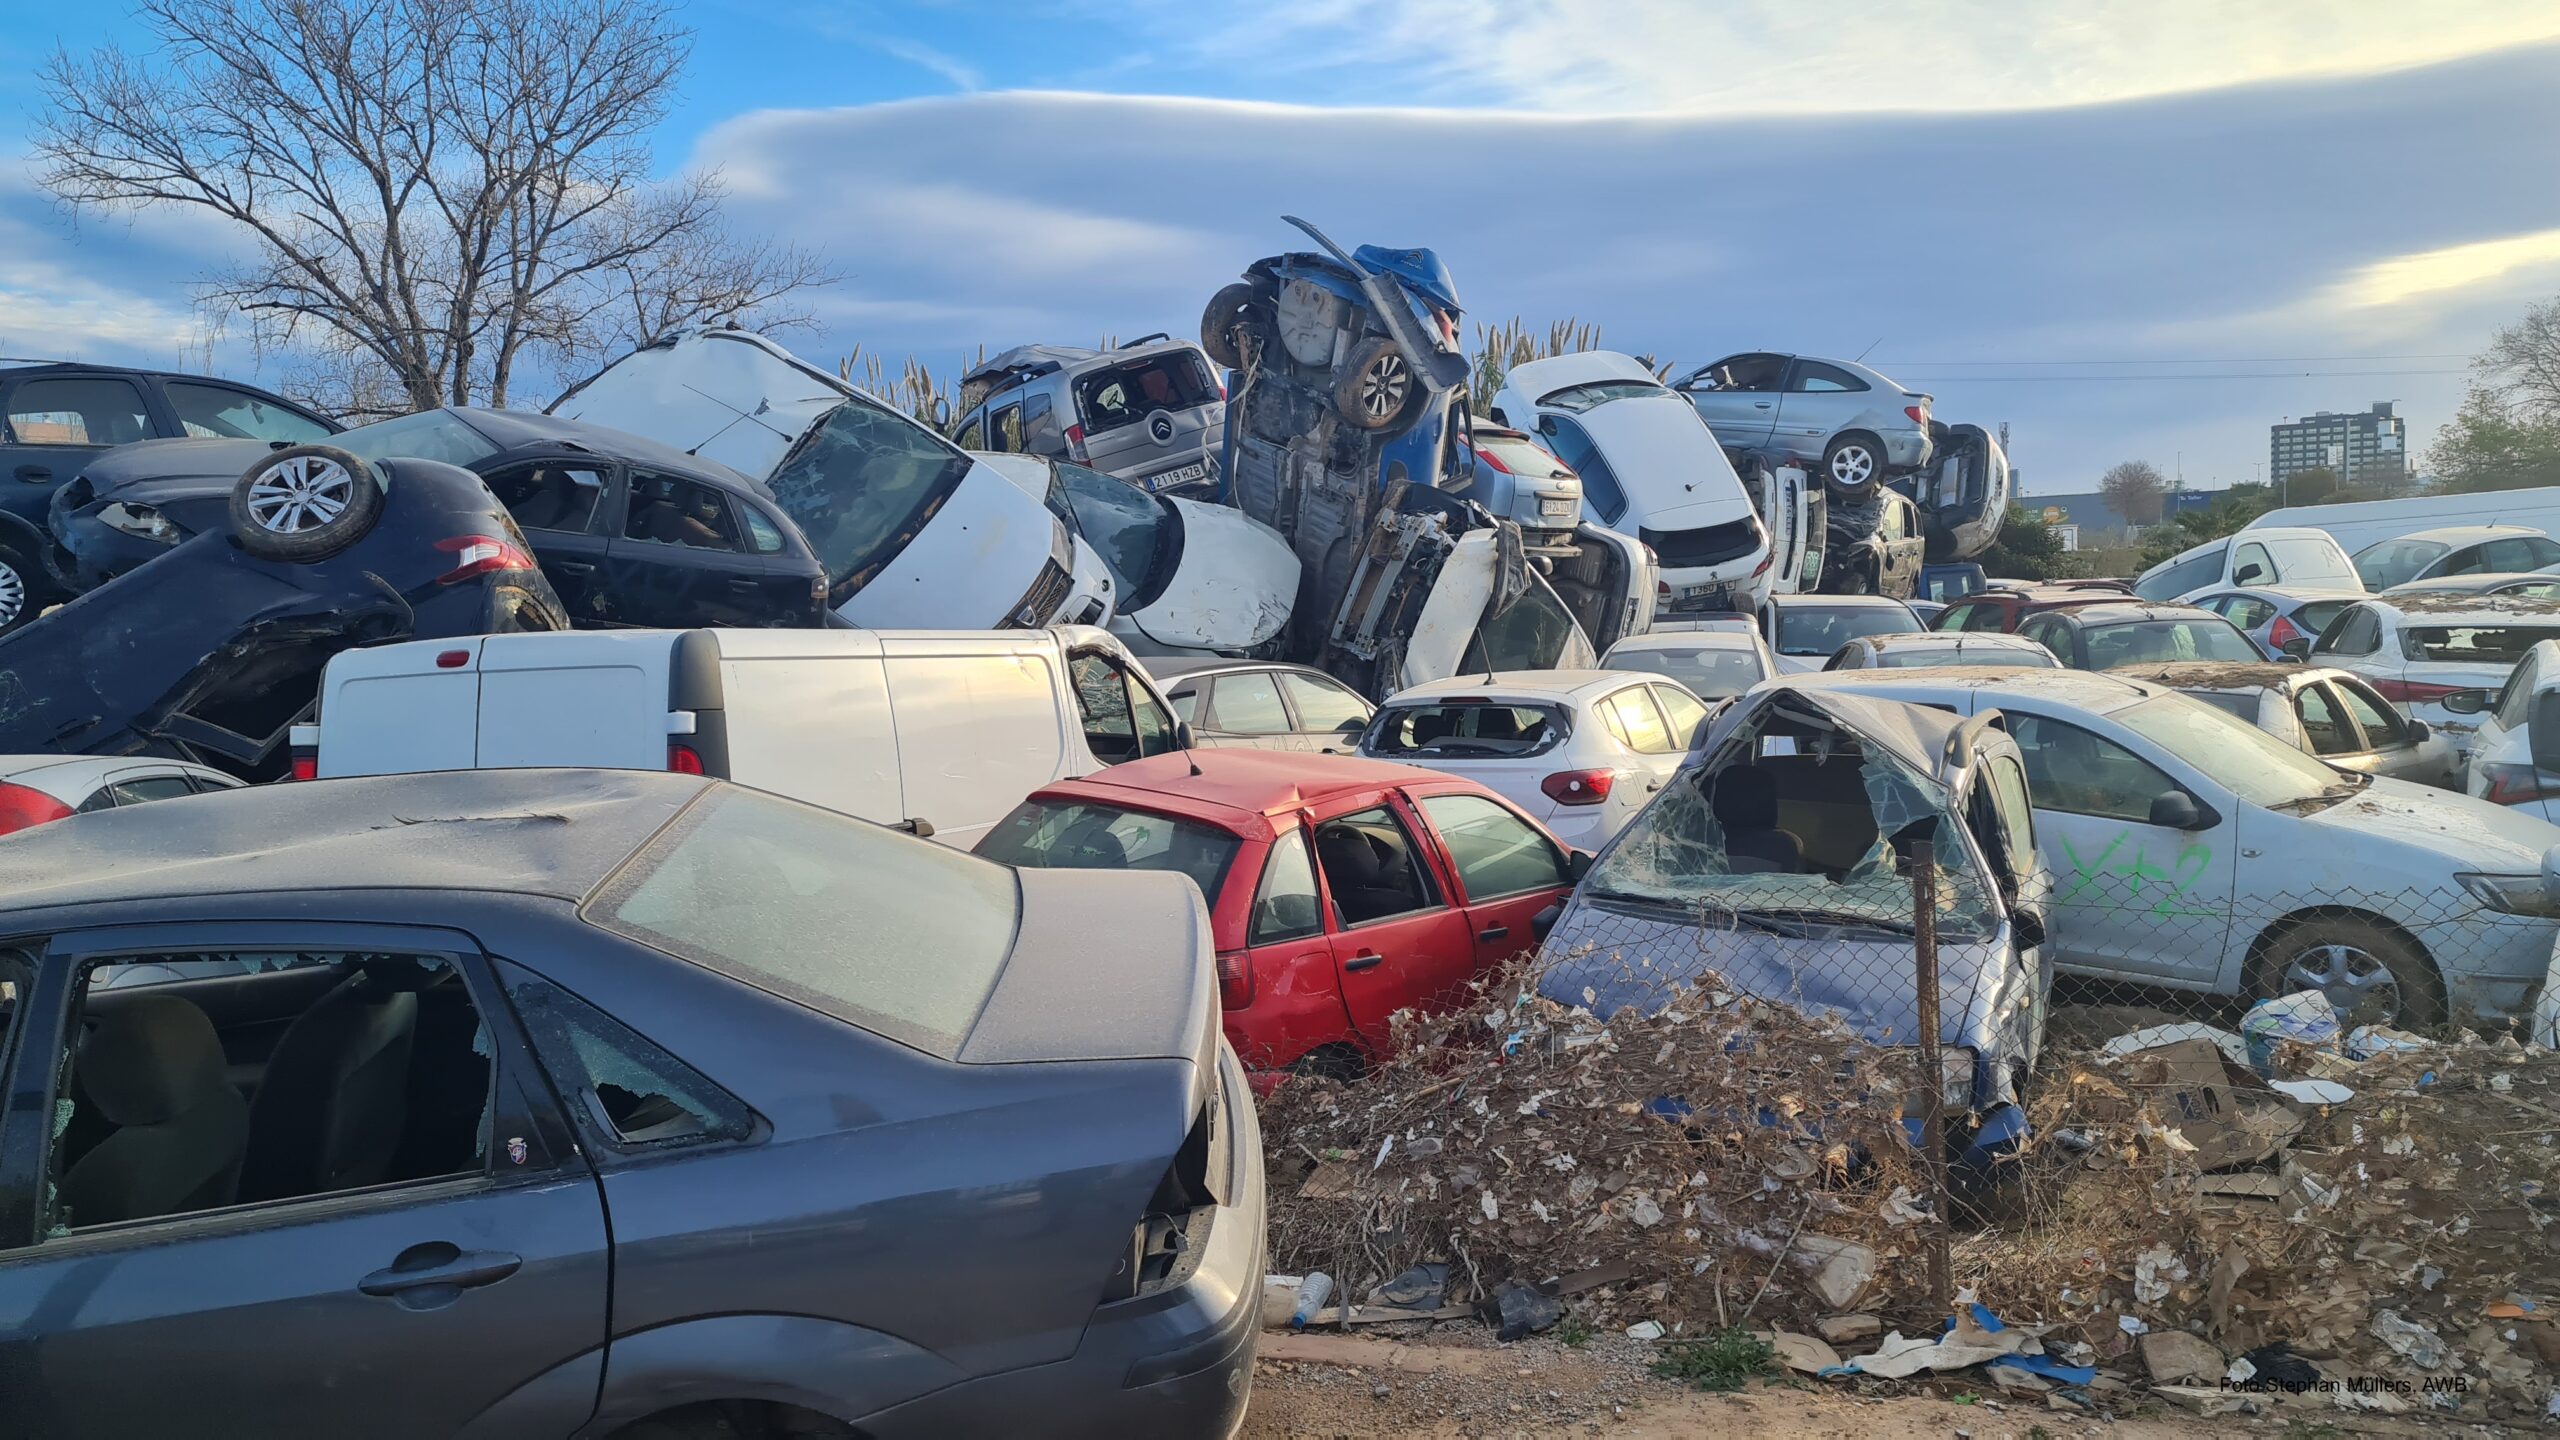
(2202, 1399)
(1423, 1287)
(1844, 1268)
(2411, 1341)
(1645, 1330)
(1803, 1352)
(2155, 1272)
(2313, 1092)
(2153, 1037)
(1312, 1293)
(1841, 1329)
(1904, 1208)
(1522, 1310)
(2304, 1018)
(2367, 1041)
(2173, 1357)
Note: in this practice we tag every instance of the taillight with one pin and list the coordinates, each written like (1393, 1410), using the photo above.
(1235, 979)
(1578, 787)
(481, 555)
(1075, 443)
(21, 807)
(2417, 692)
(1487, 457)
(2282, 633)
(683, 759)
(1918, 415)
(1661, 587)
(2516, 784)
(306, 765)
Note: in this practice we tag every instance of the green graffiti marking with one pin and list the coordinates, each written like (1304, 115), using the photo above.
(2165, 888)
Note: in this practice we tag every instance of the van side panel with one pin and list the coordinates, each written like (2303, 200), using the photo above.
(977, 733)
(817, 730)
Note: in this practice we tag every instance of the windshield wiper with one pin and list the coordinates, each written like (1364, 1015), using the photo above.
(1847, 918)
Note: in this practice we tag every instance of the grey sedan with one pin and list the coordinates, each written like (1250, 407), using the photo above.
(579, 1102)
(2283, 620)
(2331, 713)
(1856, 425)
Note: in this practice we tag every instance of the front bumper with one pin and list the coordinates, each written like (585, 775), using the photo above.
(86, 552)
(2491, 963)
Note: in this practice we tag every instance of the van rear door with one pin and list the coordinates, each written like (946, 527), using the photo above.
(592, 698)
(396, 709)
(980, 723)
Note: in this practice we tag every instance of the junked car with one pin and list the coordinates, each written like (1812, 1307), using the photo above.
(1579, 750)
(2280, 620)
(609, 1103)
(1882, 559)
(1149, 412)
(2531, 584)
(1340, 891)
(40, 789)
(2109, 637)
(1262, 704)
(2192, 851)
(1929, 648)
(2291, 557)
(1962, 492)
(1519, 482)
(1713, 665)
(211, 651)
(2426, 652)
(2454, 550)
(1805, 631)
(910, 531)
(2515, 759)
(2330, 713)
(1857, 427)
(629, 531)
(1771, 864)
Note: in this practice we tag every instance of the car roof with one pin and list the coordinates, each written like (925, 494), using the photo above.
(1238, 782)
(1033, 361)
(2470, 584)
(2441, 608)
(520, 429)
(1523, 684)
(2097, 692)
(1947, 640)
(1727, 639)
(2122, 612)
(2233, 675)
(2463, 534)
(1193, 667)
(542, 832)
(1853, 602)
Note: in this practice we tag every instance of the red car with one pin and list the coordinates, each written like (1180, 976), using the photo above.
(1340, 890)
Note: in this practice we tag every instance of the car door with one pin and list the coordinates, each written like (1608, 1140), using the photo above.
(1818, 401)
(475, 1295)
(2054, 634)
(560, 503)
(1507, 869)
(1329, 716)
(1243, 707)
(58, 423)
(1738, 398)
(2388, 747)
(2130, 898)
(686, 556)
(1398, 937)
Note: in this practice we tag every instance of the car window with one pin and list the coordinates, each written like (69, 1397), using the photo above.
(2011, 800)
(1090, 835)
(824, 910)
(972, 436)
(2048, 633)
(2519, 553)
(1248, 704)
(2473, 644)
(1372, 867)
(1183, 702)
(2357, 632)
(2381, 724)
(620, 1086)
(427, 435)
(2514, 705)
(2164, 642)
(2250, 565)
(1124, 394)
(1681, 711)
(2249, 613)
(2469, 560)
(86, 410)
(218, 412)
(668, 510)
(1601, 492)
(1982, 617)
(2396, 562)
(546, 496)
(1324, 705)
(2239, 757)
(155, 1121)
(1122, 721)
(1466, 727)
(1005, 429)
(2177, 579)
(1712, 673)
(1814, 630)
(150, 788)
(2312, 561)
(2320, 725)
(763, 536)
(1634, 718)
(2081, 773)
(1496, 852)
(1533, 632)
(1128, 527)
(863, 484)
(1285, 905)
(208, 784)
(2313, 618)
(1813, 376)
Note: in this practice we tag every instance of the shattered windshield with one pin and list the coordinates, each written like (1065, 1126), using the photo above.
(1129, 528)
(427, 435)
(1793, 822)
(862, 484)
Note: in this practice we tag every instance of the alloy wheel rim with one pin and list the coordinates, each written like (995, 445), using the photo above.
(13, 593)
(1853, 465)
(2353, 978)
(301, 494)
(1382, 390)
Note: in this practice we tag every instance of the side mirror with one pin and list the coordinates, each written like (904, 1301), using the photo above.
(2178, 810)
(2297, 648)
(2027, 927)
(2248, 575)
(1183, 739)
(1547, 425)
(2419, 731)
(1545, 920)
(1577, 863)
(2466, 702)
(941, 412)
(916, 825)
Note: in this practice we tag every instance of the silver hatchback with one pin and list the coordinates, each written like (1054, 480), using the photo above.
(1856, 425)
(1150, 412)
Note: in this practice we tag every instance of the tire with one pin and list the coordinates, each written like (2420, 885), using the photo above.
(1330, 1062)
(1240, 305)
(1377, 387)
(305, 503)
(24, 590)
(2376, 976)
(1853, 464)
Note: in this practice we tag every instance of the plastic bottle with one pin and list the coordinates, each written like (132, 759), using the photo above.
(1312, 1293)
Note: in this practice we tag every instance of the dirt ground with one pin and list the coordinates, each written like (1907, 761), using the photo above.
(1461, 1383)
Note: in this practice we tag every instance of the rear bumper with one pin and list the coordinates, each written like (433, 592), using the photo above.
(1906, 449)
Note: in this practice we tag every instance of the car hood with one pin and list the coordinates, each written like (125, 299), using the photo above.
(1232, 587)
(1150, 993)
(1668, 462)
(146, 468)
(2467, 833)
(732, 400)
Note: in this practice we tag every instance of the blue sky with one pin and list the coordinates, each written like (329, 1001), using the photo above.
(2233, 212)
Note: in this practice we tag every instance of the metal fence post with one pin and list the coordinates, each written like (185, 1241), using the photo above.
(1933, 1120)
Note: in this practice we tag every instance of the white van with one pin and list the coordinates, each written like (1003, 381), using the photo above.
(950, 728)
(2296, 559)
(2359, 524)
(913, 532)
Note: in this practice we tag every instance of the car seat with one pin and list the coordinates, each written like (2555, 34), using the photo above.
(335, 1094)
(1089, 846)
(1431, 727)
(1746, 808)
(1356, 866)
(153, 1068)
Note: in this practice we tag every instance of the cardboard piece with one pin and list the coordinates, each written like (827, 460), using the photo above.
(2225, 1111)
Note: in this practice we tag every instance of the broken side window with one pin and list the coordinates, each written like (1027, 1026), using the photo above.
(621, 1087)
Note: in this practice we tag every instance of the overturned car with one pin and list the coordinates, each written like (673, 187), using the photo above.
(1773, 863)
(1346, 432)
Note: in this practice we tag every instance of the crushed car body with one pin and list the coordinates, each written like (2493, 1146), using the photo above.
(1148, 412)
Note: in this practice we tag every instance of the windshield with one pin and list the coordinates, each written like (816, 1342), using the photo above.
(1792, 826)
(1131, 529)
(1519, 457)
(861, 484)
(1575, 399)
(1820, 630)
(1710, 674)
(2233, 753)
(2313, 618)
(1079, 835)
(1910, 657)
(427, 435)
(1125, 394)
(2395, 562)
(2161, 642)
(1535, 633)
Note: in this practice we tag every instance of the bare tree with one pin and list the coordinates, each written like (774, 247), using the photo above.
(438, 191)
(2136, 491)
(2521, 367)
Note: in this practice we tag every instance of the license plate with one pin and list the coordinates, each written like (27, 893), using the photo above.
(1701, 592)
(1558, 507)
(1179, 475)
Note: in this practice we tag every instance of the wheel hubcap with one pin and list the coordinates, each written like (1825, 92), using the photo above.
(1382, 390)
(301, 494)
(1853, 465)
(2356, 981)
(13, 593)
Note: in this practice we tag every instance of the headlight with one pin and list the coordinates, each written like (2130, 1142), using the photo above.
(1955, 1081)
(139, 520)
(2512, 894)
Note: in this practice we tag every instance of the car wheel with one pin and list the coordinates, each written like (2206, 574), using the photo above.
(2370, 974)
(1377, 386)
(1853, 464)
(305, 503)
(1238, 308)
(23, 591)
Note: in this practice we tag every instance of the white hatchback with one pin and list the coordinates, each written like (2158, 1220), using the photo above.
(1714, 665)
(1581, 750)
(2423, 651)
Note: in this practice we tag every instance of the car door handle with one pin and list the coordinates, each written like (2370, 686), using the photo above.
(748, 587)
(1759, 404)
(35, 472)
(439, 1264)
(1652, 785)
(1493, 932)
(1365, 960)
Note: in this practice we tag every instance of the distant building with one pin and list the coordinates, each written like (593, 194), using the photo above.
(2369, 447)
